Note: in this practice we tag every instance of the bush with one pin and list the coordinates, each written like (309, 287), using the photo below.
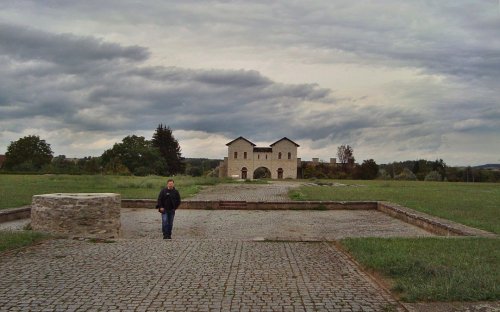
(433, 176)
(406, 175)
(383, 175)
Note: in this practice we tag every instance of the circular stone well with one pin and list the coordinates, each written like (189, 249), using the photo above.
(85, 214)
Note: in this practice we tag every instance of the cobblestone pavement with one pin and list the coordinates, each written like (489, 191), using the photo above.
(275, 191)
(296, 225)
(186, 275)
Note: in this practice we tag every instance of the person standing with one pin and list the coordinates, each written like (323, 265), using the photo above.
(169, 200)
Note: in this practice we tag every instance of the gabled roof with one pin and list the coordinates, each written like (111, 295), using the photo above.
(239, 138)
(287, 139)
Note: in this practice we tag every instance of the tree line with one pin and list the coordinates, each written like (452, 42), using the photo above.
(410, 170)
(133, 155)
(161, 155)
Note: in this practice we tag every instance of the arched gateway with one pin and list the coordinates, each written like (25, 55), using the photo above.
(245, 159)
(262, 173)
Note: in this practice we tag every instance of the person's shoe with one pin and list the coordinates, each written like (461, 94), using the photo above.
(167, 237)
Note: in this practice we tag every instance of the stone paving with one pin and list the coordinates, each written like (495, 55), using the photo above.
(294, 225)
(186, 275)
(275, 191)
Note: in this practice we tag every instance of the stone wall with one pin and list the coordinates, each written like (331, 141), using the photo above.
(80, 214)
(248, 205)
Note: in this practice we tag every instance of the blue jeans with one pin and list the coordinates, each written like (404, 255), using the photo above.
(167, 222)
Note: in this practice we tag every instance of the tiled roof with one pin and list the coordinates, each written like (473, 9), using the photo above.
(242, 138)
(287, 139)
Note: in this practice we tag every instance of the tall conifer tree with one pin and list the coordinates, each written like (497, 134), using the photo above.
(169, 149)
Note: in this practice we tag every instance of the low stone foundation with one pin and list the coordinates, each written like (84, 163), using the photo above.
(432, 224)
(79, 214)
(15, 213)
(249, 205)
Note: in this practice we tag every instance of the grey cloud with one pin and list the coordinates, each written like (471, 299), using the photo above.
(116, 96)
(439, 39)
(85, 83)
(453, 38)
(233, 78)
(30, 44)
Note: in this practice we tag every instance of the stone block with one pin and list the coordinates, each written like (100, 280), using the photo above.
(77, 214)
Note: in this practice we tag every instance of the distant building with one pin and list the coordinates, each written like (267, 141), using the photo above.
(245, 158)
(315, 162)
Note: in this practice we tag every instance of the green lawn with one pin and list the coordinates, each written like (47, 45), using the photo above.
(15, 239)
(434, 269)
(17, 190)
(473, 204)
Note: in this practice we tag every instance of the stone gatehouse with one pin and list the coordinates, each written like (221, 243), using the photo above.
(245, 158)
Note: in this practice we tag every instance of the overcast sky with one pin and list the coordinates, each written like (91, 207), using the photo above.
(396, 80)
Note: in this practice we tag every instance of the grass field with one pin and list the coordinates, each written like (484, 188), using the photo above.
(17, 190)
(11, 240)
(433, 269)
(473, 204)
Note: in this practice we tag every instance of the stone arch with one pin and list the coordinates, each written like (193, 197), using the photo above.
(262, 173)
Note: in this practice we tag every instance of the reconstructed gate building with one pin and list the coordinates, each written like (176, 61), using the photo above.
(244, 158)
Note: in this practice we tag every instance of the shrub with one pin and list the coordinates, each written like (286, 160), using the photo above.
(383, 175)
(433, 176)
(406, 175)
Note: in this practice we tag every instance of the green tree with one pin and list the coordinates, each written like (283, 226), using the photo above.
(135, 153)
(60, 164)
(369, 169)
(90, 165)
(28, 153)
(345, 155)
(439, 166)
(169, 149)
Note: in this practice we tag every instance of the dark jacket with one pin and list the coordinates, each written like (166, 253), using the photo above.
(168, 199)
